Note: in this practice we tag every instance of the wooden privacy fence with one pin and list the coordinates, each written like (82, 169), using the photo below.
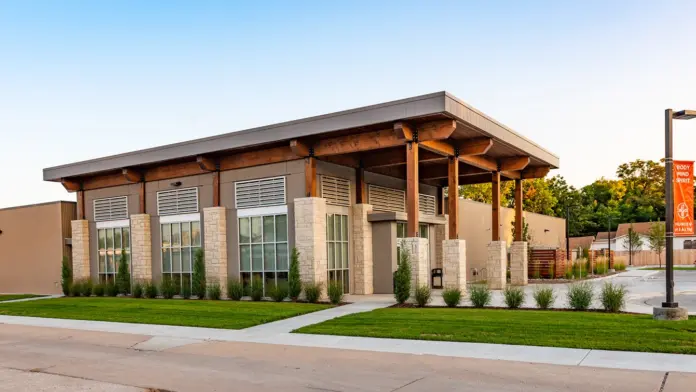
(542, 262)
(647, 257)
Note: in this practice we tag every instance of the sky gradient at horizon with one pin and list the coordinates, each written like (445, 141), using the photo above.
(588, 81)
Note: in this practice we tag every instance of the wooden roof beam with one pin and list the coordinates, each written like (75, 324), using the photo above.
(300, 148)
(477, 146)
(131, 175)
(513, 163)
(206, 163)
(434, 130)
(71, 185)
(358, 142)
(441, 172)
(536, 172)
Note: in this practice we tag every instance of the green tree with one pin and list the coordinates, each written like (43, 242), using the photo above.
(294, 282)
(66, 276)
(402, 277)
(634, 244)
(199, 284)
(123, 281)
(656, 239)
(525, 231)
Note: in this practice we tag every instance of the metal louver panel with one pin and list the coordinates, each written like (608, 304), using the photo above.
(260, 193)
(336, 191)
(427, 204)
(387, 199)
(177, 201)
(112, 208)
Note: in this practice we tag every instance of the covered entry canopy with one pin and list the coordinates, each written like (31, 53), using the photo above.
(433, 139)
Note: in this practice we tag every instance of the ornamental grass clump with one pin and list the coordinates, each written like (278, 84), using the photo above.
(422, 295)
(99, 289)
(138, 290)
(312, 291)
(256, 290)
(76, 288)
(278, 292)
(235, 289)
(544, 297)
(613, 297)
(335, 292)
(186, 290)
(150, 289)
(402, 277)
(513, 296)
(111, 289)
(214, 291)
(168, 288)
(580, 296)
(452, 296)
(480, 295)
(86, 288)
(294, 282)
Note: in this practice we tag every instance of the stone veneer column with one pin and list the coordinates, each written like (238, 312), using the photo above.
(362, 245)
(454, 264)
(141, 247)
(518, 263)
(496, 266)
(441, 234)
(310, 239)
(418, 248)
(80, 249)
(215, 238)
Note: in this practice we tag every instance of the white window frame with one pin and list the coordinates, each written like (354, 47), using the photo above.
(180, 219)
(113, 226)
(347, 270)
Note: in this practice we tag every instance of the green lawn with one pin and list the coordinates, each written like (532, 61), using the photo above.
(10, 297)
(663, 268)
(590, 330)
(190, 313)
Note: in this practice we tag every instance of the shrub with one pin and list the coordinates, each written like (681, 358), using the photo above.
(198, 278)
(600, 267)
(312, 291)
(150, 289)
(66, 276)
(294, 282)
(423, 295)
(86, 288)
(138, 290)
(579, 270)
(544, 297)
(256, 290)
(552, 271)
(402, 277)
(278, 292)
(480, 295)
(580, 296)
(185, 289)
(168, 287)
(123, 281)
(111, 289)
(569, 272)
(214, 291)
(452, 296)
(513, 296)
(612, 297)
(335, 292)
(98, 289)
(75, 289)
(536, 274)
(235, 289)
(619, 266)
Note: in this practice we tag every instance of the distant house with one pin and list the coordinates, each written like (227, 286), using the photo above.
(619, 238)
(600, 241)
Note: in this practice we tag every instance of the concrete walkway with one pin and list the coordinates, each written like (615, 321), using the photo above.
(32, 298)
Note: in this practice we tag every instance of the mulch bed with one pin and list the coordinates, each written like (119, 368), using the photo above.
(414, 306)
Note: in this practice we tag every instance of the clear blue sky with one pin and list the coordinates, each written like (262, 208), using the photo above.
(588, 80)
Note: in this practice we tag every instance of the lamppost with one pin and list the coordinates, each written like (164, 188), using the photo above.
(609, 242)
(670, 309)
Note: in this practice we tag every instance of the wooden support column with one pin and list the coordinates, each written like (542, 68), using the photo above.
(80, 205)
(453, 197)
(519, 226)
(141, 195)
(311, 177)
(360, 186)
(216, 189)
(495, 218)
(412, 189)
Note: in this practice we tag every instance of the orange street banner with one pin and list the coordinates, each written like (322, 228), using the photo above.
(683, 182)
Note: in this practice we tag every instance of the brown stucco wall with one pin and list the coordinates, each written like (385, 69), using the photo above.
(32, 244)
(475, 228)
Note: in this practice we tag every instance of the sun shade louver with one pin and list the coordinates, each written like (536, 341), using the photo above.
(260, 193)
(387, 199)
(112, 208)
(336, 191)
(177, 201)
(426, 204)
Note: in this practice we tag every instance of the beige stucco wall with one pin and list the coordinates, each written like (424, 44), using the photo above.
(32, 244)
(475, 228)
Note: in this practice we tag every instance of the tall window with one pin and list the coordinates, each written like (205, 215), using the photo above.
(337, 249)
(180, 241)
(113, 243)
(401, 233)
(263, 249)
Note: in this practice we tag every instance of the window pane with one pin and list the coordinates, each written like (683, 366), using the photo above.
(281, 222)
(423, 231)
(102, 262)
(177, 282)
(109, 238)
(117, 239)
(166, 235)
(346, 282)
(332, 255)
(256, 229)
(176, 260)
(186, 234)
(246, 279)
(344, 255)
(269, 280)
(245, 257)
(282, 278)
(166, 260)
(344, 227)
(244, 231)
(176, 235)
(282, 257)
(269, 257)
(126, 238)
(256, 257)
(330, 227)
(268, 229)
(186, 260)
(102, 239)
(109, 262)
(196, 233)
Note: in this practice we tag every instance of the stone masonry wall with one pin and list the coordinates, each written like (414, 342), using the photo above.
(362, 245)
(80, 249)
(454, 264)
(496, 266)
(518, 263)
(418, 248)
(141, 247)
(310, 239)
(215, 238)
(441, 234)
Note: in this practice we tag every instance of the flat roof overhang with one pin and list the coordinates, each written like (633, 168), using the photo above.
(470, 124)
